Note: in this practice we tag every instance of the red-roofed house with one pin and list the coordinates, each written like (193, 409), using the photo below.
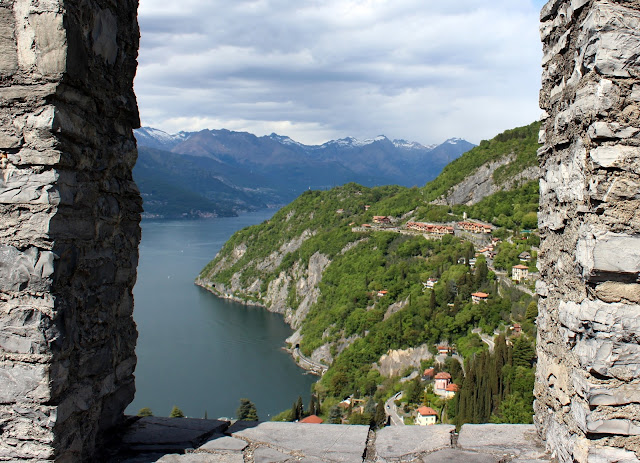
(382, 219)
(426, 416)
(451, 390)
(445, 350)
(428, 374)
(443, 379)
(479, 297)
(312, 419)
(382, 293)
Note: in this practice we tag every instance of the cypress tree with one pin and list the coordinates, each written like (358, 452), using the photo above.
(247, 411)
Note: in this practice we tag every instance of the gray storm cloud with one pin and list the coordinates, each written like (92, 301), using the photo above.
(319, 70)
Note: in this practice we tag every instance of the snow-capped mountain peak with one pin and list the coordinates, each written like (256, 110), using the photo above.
(157, 138)
(284, 140)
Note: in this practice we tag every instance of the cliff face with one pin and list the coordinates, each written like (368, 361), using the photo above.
(481, 183)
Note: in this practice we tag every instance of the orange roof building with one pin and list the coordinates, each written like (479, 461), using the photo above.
(479, 297)
(427, 411)
(312, 419)
(426, 416)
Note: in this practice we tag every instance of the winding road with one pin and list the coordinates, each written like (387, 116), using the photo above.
(488, 340)
(392, 411)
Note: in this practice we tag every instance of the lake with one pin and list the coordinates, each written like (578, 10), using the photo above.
(197, 351)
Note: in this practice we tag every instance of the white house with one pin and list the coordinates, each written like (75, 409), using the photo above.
(519, 272)
(426, 416)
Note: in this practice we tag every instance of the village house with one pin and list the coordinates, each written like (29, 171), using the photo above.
(444, 350)
(432, 229)
(382, 293)
(382, 219)
(516, 328)
(524, 256)
(366, 207)
(475, 227)
(479, 297)
(519, 272)
(451, 390)
(428, 374)
(485, 251)
(442, 380)
(430, 283)
(426, 416)
(340, 211)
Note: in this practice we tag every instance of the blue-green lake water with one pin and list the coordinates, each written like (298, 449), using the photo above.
(197, 351)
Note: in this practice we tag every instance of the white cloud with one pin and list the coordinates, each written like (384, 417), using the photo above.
(423, 70)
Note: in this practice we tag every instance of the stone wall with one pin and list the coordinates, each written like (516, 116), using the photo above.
(69, 224)
(588, 377)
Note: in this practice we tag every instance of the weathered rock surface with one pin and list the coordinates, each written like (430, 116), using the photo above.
(395, 362)
(588, 347)
(480, 184)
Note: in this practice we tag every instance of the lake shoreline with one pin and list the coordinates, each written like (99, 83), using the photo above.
(290, 350)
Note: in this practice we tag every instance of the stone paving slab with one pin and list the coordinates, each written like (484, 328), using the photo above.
(267, 455)
(519, 442)
(328, 442)
(458, 456)
(396, 442)
(202, 458)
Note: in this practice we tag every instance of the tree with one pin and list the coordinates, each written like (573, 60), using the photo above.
(145, 411)
(176, 413)
(335, 415)
(532, 311)
(314, 406)
(297, 410)
(247, 411)
(380, 417)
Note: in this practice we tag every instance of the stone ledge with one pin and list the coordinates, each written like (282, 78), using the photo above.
(183, 440)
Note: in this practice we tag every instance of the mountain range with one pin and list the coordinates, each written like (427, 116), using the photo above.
(221, 172)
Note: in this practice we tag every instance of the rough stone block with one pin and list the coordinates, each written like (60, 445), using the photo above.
(602, 253)
(22, 330)
(611, 40)
(23, 383)
(616, 156)
(611, 455)
(50, 42)
(267, 455)
(394, 442)
(223, 443)
(333, 442)
(8, 46)
(458, 456)
(514, 440)
(202, 458)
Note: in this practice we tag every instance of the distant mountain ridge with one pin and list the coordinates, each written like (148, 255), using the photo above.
(272, 169)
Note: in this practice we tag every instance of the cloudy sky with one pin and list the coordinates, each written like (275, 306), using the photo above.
(316, 70)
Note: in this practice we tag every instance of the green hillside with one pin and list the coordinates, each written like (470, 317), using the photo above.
(371, 297)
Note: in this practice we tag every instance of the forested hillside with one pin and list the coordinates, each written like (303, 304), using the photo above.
(352, 279)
